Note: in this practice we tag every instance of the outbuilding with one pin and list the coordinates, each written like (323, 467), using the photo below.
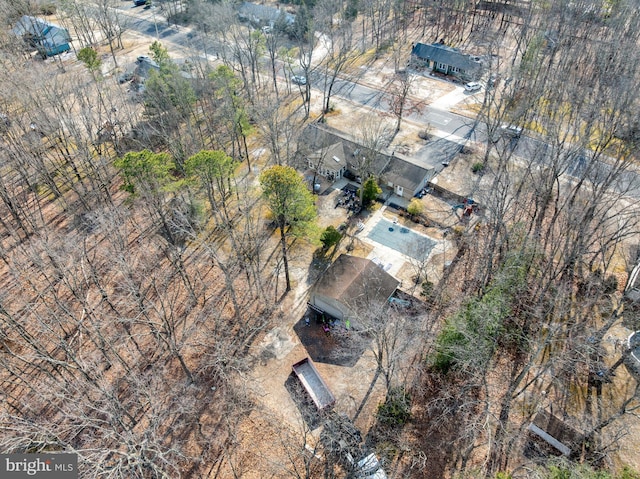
(405, 178)
(350, 285)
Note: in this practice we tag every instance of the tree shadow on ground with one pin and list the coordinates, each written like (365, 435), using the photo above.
(631, 318)
(338, 346)
(319, 264)
(441, 413)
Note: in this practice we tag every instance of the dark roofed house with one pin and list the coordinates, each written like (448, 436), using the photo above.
(144, 66)
(327, 147)
(448, 60)
(349, 284)
(47, 38)
(405, 178)
(329, 161)
(317, 137)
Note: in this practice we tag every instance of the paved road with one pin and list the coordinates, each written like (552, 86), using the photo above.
(153, 24)
(453, 130)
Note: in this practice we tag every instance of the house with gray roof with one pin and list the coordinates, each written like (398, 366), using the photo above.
(332, 153)
(47, 38)
(360, 161)
(448, 60)
(264, 15)
(405, 178)
(329, 161)
(350, 286)
(144, 66)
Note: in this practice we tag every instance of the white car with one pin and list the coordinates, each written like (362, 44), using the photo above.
(299, 79)
(472, 86)
(513, 131)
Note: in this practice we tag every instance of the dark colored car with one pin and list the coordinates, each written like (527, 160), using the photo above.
(125, 77)
(349, 176)
(137, 3)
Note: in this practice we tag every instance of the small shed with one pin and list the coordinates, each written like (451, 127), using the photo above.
(350, 283)
(47, 38)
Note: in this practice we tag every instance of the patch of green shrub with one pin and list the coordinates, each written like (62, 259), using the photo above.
(449, 340)
(477, 167)
(396, 409)
(330, 237)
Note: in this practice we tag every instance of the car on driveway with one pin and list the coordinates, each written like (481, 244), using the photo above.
(299, 79)
(125, 77)
(472, 86)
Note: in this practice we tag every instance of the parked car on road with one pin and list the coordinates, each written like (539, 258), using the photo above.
(513, 131)
(137, 3)
(299, 79)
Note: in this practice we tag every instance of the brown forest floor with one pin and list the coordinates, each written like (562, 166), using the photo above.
(263, 440)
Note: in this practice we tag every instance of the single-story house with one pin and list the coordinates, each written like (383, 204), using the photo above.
(448, 60)
(329, 161)
(264, 15)
(351, 285)
(47, 38)
(406, 179)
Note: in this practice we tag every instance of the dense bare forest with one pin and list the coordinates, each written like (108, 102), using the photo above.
(150, 239)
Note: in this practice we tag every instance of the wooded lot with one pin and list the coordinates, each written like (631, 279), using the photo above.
(160, 224)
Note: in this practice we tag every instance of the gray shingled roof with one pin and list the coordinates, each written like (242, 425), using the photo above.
(326, 156)
(356, 281)
(263, 13)
(439, 53)
(408, 175)
(314, 137)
